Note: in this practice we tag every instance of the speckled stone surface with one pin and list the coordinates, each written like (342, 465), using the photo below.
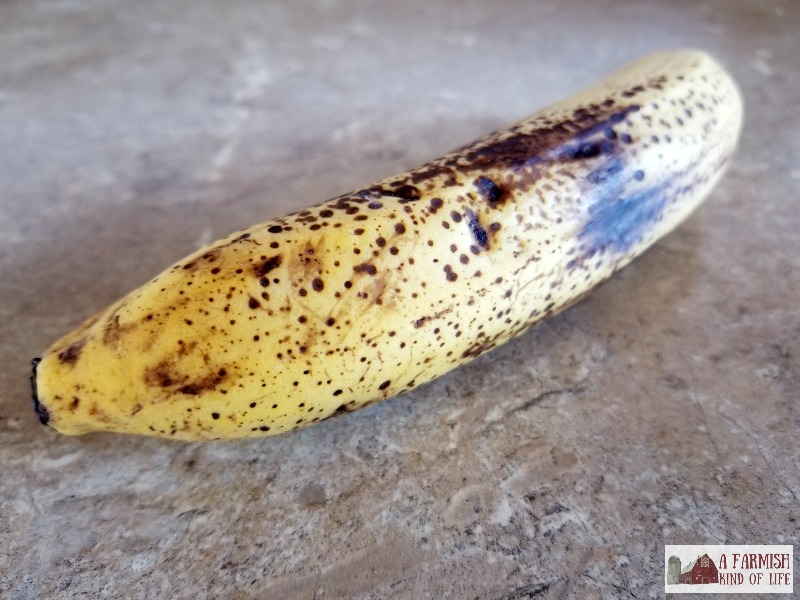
(665, 408)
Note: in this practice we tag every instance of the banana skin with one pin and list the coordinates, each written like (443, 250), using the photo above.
(378, 291)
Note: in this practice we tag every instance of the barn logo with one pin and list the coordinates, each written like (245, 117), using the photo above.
(728, 569)
(703, 570)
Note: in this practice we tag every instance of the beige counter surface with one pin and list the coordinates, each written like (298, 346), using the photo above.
(665, 408)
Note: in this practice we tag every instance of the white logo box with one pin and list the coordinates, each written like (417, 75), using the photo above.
(720, 569)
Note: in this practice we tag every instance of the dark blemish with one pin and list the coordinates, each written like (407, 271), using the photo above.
(268, 265)
(326, 213)
(366, 268)
(528, 149)
(38, 407)
(381, 242)
(215, 270)
(253, 303)
(317, 285)
(245, 237)
(188, 265)
(337, 393)
(478, 232)
(625, 138)
(490, 191)
(113, 330)
(400, 228)
(348, 284)
(455, 216)
(215, 415)
(429, 172)
(302, 292)
(464, 259)
(588, 150)
(478, 348)
(264, 282)
(263, 428)
(384, 385)
(275, 229)
(358, 231)
(494, 227)
(301, 319)
(449, 273)
(611, 167)
(393, 250)
(70, 354)
(341, 410)
(374, 205)
(435, 204)
(404, 192)
(638, 175)
(330, 321)
(159, 376)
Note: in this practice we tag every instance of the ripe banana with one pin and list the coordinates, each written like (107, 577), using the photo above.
(376, 292)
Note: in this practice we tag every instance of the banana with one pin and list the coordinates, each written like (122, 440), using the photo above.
(378, 291)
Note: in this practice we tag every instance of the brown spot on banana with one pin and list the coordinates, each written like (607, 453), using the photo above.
(337, 306)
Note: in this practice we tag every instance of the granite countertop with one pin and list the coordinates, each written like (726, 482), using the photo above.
(665, 408)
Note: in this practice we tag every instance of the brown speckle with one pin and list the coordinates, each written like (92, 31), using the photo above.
(71, 353)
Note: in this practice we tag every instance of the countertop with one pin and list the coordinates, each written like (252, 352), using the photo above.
(663, 409)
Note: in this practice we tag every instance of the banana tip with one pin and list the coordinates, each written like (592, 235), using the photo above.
(41, 410)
